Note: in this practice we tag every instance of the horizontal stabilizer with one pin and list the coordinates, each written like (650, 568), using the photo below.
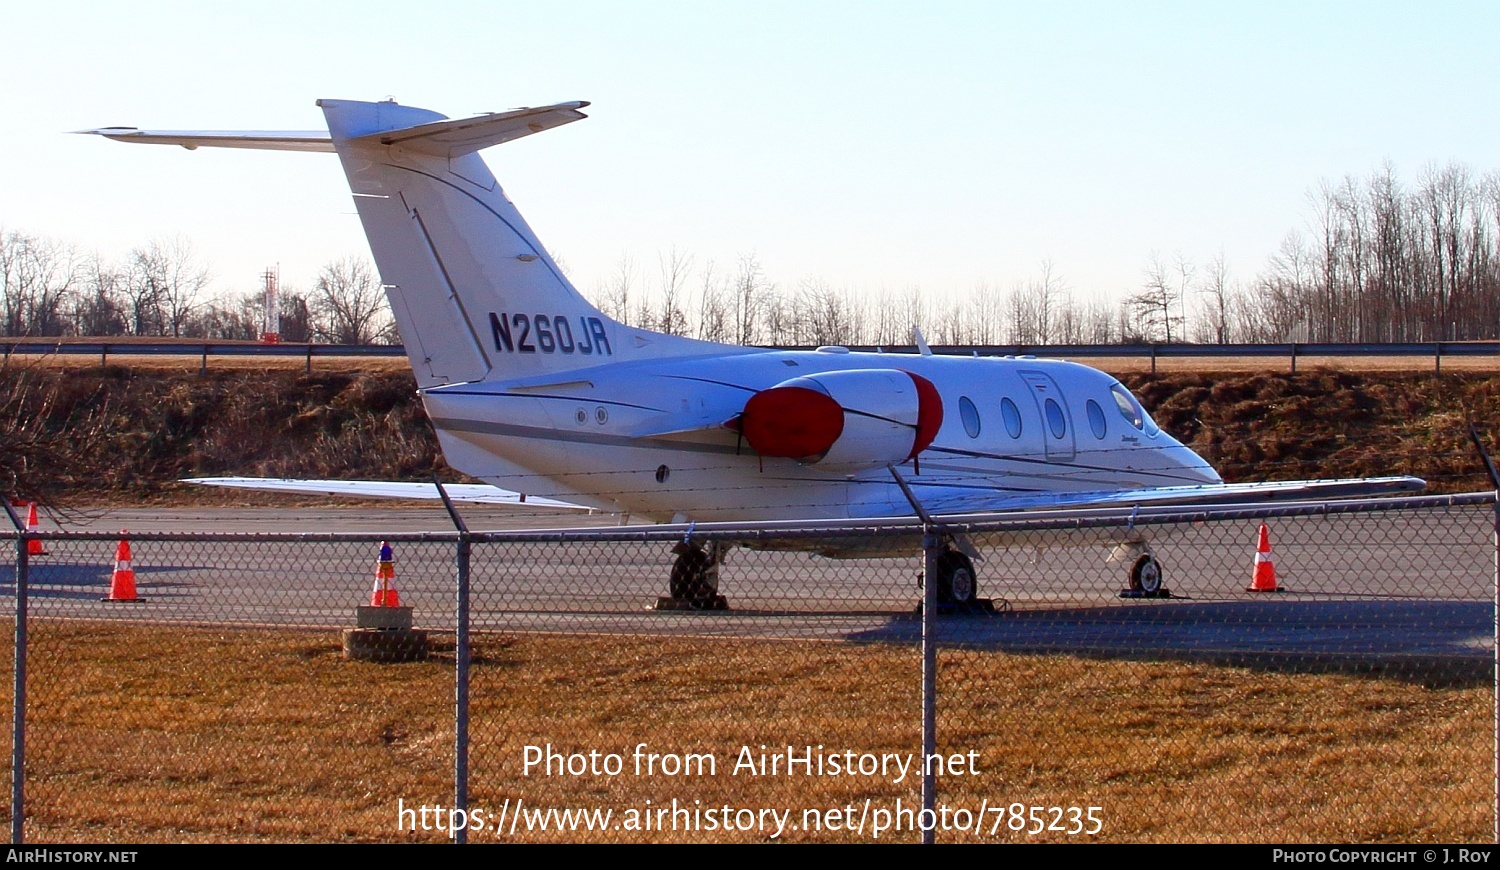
(440, 138)
(465, 136)
(478, 493)
(268, 140)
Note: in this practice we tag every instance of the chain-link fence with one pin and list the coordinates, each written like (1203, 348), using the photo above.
(1109, 678)
(1353, 704)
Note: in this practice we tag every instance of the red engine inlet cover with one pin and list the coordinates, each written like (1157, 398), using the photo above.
(929, 414)
(795, 422)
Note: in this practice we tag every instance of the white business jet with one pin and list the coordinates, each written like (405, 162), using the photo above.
(533, 390)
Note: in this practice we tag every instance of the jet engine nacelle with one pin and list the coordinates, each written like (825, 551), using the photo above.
(864, 418)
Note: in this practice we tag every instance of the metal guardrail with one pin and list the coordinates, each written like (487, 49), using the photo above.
(1293, 351)
(203, 350)
(195, 348)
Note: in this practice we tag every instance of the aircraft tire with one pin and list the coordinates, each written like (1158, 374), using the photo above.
(689, 580)
(1146, 576)
(957, 582)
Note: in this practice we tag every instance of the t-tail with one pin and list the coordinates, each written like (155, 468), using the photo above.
(474, 293)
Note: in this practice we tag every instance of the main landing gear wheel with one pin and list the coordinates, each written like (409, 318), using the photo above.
(1146, 577)
(957, 582)
(694, 584)
(690, 575)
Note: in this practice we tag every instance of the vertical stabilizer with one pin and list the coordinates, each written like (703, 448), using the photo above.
(473, 291)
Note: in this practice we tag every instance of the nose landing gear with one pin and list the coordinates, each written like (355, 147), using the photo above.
(957, 582)
(1145, 577)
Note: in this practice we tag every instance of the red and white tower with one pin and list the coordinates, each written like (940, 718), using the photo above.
(270, 329)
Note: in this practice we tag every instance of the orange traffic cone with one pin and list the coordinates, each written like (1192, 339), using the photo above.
(1264, 579)
(384, 594)
(122, 582)
(34, 546)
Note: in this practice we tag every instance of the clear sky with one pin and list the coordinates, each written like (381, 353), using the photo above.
(870, 145)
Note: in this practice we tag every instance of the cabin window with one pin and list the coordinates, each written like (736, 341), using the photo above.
(1055, 419)
(1012, 416)
(970, 415)
(1096, 418)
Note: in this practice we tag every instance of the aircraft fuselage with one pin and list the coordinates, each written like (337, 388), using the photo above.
(656, 438)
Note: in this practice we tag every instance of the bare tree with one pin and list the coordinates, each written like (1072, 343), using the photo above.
(1156, 303)
(235, 318)
(713, 312)
(36, 276)
(675, 267)
(349, 303)
(914, 315)
(1218, 303)
(823, 316)
(163, 285)
(891, 325)
(615, 298)
(1283, 303)
(985, 315)
(1099, 323)
(1388, 299)
(750, 290)
(1023, 314)
(950, 323)
(296, 316)
(1068, 325)
(97, 306)
(780, 322)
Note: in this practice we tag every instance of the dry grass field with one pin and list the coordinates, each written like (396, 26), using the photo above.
(149, 734)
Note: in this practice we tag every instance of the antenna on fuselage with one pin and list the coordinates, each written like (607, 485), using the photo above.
(920, 341)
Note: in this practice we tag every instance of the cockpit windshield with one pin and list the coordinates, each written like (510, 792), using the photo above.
(1132, 411)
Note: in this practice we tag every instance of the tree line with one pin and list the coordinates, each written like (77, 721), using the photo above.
(1379, 261)
(159, 289)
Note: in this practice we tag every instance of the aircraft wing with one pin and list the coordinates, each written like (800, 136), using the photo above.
(939, 500)
(479, 493)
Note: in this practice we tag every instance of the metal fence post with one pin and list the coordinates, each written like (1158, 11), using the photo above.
(932, 546)
(461, 659)
(18, 689)
(932, 550)
(18, 706)
(1494, 473)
